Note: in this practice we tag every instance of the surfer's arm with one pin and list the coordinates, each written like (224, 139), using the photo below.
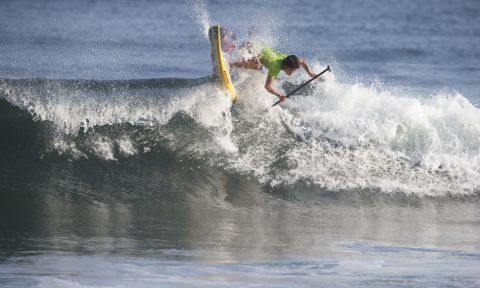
(307, 68)
(271, 89)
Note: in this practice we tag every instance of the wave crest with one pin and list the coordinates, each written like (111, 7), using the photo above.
(335, 135)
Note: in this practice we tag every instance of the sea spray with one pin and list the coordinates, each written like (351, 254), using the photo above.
(201, 14)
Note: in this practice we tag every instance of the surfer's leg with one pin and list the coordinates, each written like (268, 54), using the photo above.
(253, 63)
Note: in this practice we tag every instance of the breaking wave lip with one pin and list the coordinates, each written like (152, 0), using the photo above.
(336, 136)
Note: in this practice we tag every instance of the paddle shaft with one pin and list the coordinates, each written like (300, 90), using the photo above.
(303, 85)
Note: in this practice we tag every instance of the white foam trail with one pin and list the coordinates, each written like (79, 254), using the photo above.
(53, 282)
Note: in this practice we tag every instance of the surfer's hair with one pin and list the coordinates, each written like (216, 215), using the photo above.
(291, 61)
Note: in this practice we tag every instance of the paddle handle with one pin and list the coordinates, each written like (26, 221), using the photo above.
(304, 84)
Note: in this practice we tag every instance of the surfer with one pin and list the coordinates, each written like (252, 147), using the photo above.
(275, 62)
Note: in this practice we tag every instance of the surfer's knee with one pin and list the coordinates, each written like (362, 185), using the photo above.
(255, 64)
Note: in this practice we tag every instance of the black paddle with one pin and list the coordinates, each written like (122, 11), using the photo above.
(303, 85)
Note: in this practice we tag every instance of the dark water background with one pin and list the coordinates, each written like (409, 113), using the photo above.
(111, 180)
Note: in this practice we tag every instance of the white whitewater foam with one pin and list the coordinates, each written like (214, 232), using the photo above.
(335, 135)
(126, 147)
(368, 137)
(103, 147)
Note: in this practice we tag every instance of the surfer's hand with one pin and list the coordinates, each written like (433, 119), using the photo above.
(312, 75)
(282, 98)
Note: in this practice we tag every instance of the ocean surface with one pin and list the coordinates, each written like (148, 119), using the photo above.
(123, 164)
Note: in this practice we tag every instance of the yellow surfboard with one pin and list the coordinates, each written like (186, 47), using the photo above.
(220, 65)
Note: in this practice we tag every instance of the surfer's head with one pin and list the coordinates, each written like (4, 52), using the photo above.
(290, 64)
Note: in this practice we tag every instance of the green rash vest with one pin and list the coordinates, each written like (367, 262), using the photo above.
(272, 60)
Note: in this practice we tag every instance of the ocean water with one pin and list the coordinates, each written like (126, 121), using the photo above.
(122, 163)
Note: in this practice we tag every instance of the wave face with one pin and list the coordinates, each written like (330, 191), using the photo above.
(333, 135)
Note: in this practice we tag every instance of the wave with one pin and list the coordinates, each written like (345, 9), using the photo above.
(334, 135)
